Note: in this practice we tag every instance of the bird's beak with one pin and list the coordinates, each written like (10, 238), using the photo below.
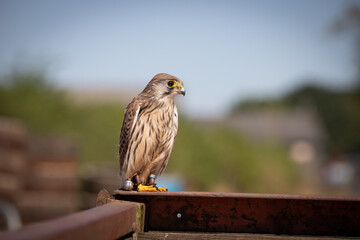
(181, 90)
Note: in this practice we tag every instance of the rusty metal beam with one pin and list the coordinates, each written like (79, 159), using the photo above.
(110, 221)
(248, 213)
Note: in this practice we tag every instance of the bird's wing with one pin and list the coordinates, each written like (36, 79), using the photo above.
(130, 118)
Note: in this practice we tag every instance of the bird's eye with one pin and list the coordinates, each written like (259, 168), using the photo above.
(171, 83)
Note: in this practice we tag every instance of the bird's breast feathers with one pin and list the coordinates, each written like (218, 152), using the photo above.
(152, 136)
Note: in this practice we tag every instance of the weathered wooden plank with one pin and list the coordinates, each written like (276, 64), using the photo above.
(224, 236)
(110, 221)
(249, 213)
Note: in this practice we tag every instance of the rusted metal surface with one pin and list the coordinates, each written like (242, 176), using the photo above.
(110, 221)
(103, 198)
(249, 213)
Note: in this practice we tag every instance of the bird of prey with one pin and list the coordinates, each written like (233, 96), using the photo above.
(148, 133)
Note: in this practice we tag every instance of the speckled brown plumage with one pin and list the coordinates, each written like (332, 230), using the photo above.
(149, 129)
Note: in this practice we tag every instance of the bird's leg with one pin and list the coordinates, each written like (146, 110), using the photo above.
(151, 179)
(151, 186)
(136, 180)
(151, 182)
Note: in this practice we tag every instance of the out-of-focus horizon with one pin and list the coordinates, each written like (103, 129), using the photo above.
(223, 51)
(272, 104)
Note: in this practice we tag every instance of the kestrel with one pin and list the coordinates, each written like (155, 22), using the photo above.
(148, 133)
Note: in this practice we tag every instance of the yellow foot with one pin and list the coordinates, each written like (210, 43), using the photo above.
(143, 188)
(150, 188)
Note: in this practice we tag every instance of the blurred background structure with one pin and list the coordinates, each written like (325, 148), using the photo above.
(272, 104)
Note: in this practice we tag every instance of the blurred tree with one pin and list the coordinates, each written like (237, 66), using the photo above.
(30, 97)
(349, 22)
(338, 111)
(260, 104)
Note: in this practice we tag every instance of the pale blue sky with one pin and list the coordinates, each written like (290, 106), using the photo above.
(222, 50)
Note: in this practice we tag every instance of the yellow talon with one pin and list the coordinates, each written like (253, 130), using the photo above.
(160, 189)
(150, 188)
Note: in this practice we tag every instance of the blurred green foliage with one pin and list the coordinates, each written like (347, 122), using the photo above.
(209, 158)
(30, 97)
(45, 109)
(216, 157)
(338, 111)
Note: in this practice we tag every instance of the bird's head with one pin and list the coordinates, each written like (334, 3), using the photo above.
(163, 86)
